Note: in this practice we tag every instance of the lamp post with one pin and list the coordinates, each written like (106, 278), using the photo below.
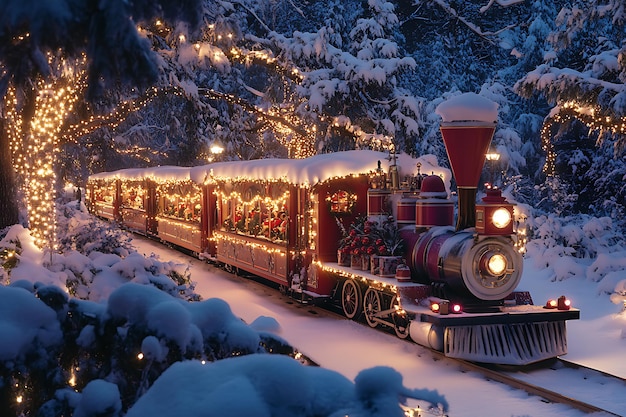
(493, 157)
(216, 150)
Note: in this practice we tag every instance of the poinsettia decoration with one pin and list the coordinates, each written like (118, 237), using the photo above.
(370, 238)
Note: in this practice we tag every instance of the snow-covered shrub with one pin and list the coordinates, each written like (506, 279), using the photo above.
(581, 236)
(619, 294)
(9, 257)
(171, 277)
(65, 356)
(246, 386)
(32, 341)
(568, 245)
(78, 230)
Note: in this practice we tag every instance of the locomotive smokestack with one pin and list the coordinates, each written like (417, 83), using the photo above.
(467, 128)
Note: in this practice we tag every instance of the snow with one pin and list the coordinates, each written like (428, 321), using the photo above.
(99, 398)
(468, 107)
(362, 375)
(27, 324)
(271, 386)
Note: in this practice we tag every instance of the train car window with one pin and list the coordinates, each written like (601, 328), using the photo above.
(105, 192)
(341, 202)
(276, 212)
(251, 209)
(254, 209)
(228, 215)
(133, 195)
(180, 201)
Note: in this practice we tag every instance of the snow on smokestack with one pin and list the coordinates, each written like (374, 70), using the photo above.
(468, 124)
(468, 107)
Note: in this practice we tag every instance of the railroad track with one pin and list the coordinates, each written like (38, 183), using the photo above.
(580, 387)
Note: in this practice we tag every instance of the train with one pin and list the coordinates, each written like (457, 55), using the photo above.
(372, 233)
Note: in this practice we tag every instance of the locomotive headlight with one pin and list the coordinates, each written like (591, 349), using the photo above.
(501, 218)
(496, 264)
(492, 268)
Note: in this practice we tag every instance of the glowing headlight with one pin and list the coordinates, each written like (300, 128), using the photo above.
(501, 218)
(496, 264)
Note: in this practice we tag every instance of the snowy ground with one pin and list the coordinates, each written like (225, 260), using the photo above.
(347, 347)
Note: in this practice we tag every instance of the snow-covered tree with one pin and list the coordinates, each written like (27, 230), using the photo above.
(582, 75)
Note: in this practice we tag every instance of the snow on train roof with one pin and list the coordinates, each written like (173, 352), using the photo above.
(309, 171)
(164, 173)
(316, 169)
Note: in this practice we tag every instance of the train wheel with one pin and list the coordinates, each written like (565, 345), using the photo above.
(231, 269)
(400, 321)
(372, 306)
(351, 299)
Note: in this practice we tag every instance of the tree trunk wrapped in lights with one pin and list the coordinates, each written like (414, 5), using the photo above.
(34, 137)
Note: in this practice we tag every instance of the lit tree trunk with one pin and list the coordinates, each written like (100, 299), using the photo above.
(8, 197)
(33, 127)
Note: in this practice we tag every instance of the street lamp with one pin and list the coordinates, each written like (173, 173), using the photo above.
(493, 157)
(216, 148)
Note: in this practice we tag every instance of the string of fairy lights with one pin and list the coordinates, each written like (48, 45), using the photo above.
(291, 130)
(590, 115)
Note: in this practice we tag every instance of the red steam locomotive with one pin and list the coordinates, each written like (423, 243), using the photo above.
(378, 242)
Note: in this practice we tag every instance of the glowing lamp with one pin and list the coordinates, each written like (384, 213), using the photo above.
(563, 303)
(494, 216)
(494, 263)
(456, 309)
(216, 149)
(501, 217)
(442, 307)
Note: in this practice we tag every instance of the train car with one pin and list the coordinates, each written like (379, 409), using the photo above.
(364, 230)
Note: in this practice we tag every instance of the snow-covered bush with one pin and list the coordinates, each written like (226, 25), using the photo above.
(580, 236)
(54, 345)
(78, 230)
(583, 246)
(247, 386)
(10, 251)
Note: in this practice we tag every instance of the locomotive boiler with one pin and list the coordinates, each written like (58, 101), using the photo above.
(364, 230)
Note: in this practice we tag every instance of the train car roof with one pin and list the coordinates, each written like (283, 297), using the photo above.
(307, 172)
(162, 173)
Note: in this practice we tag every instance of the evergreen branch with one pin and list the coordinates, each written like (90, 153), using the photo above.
(253, 109)
(261, 22)
(476, 29)
(503, 3)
